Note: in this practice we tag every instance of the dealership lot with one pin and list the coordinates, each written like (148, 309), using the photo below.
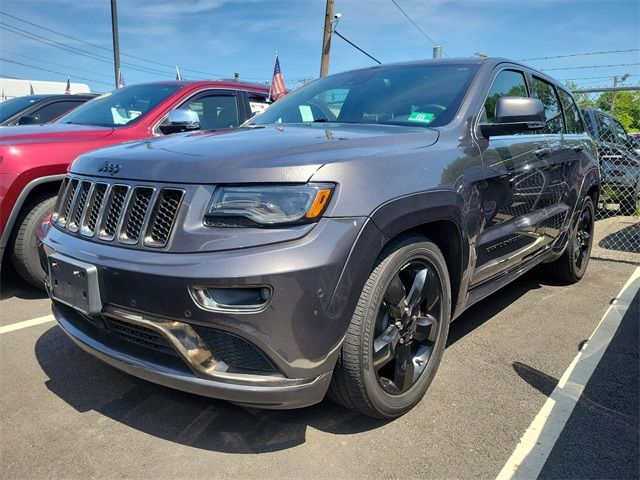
(66, 414)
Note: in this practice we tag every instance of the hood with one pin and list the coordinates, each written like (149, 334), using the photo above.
(51, 132)
(287, 153)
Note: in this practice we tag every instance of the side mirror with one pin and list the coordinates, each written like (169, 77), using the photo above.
(515, 115)
(28, 120)
(181, 120)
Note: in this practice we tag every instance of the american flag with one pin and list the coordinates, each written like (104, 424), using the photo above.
(121, 79)
(67, 91)
(278, 89)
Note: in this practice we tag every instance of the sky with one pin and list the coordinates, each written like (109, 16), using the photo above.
(216, 38)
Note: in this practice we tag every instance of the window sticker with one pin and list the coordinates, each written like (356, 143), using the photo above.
(305, 112)
(258, 107)
(421, 117)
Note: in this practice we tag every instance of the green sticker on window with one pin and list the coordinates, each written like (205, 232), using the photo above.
(421, 117)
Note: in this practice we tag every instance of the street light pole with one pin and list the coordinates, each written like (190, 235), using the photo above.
(326, 39)
(116, 45)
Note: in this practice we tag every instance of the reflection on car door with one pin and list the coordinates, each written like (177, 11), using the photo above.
(518, 195)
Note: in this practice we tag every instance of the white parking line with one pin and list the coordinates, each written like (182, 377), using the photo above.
(537, 442)
(26, 324)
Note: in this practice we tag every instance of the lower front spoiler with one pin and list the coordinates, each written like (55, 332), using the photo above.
(270, 396)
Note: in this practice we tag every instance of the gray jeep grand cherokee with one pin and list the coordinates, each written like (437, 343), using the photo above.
(327, 244)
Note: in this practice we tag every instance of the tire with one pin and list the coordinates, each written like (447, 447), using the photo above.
(572, 265)
(358, 382)
(24, 254)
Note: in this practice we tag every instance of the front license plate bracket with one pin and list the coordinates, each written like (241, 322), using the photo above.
(74, 283)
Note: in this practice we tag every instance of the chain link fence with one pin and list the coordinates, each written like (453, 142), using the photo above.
(610, 113)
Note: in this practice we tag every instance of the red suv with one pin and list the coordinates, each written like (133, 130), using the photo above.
(34, 159)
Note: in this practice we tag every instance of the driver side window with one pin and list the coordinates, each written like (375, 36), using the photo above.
(508, 83)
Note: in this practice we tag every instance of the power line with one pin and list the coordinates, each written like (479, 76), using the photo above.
(54, 63)
(591, 66)
(593, 78)
(53, 71)
(357, 47)
(579, 54)
(123, 54)
(74, 50)
(416, 25)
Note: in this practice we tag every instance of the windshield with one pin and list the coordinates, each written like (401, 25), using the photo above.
(9, 108)
(415, 95)
(119, 107)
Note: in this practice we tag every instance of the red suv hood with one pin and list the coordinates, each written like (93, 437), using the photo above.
(51, 132)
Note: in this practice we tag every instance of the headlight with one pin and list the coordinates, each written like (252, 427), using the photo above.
(267, 204)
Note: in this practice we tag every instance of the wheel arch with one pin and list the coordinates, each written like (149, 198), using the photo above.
(33, 189)
(436, 215)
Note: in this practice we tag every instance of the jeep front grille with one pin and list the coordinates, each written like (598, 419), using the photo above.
(128, 214)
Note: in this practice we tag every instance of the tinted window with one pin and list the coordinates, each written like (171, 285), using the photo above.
(9, 108)
(215, 111)
(54, 110)
(547, 95)
(571, 113)
(508, 83)
(410, 95)
(120, 107)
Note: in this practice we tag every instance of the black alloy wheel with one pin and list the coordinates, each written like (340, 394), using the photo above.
(407, 326)
(583, 238)
(572, 265)
(398, 332)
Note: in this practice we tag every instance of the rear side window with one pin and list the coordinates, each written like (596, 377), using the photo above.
(508, 83)
(545, 92)
(54, 110)
(571, 113)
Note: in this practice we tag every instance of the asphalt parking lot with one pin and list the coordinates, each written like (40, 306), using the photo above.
(66, 415)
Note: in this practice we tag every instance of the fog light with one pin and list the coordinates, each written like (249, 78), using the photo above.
(232, 299)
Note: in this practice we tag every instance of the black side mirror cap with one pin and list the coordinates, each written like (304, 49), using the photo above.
(28, 120)
(515, 115)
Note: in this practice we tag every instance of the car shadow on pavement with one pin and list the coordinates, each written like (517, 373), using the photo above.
(87, 384)
(11, 285)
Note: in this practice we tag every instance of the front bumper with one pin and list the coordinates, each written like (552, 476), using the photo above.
(268, 392)
(300, 332)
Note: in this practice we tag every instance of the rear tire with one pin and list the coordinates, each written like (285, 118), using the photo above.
(24, 254)
(572, 265)
(386, 380)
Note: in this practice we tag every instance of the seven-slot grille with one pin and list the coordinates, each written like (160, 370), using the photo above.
(129, 214)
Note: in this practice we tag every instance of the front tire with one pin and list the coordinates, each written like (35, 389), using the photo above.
(398, 331)
(24, 255)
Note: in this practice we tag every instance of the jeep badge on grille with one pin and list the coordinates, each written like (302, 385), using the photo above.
(110, 168)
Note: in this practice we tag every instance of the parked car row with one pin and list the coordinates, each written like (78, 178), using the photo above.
(322, 247)
(619, 160)
(35, 158)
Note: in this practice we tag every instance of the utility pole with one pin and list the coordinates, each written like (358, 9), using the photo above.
(116, 45)
(615, 84)
(326, 40)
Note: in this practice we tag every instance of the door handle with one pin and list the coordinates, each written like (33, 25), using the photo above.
(578, 148)
(542, 152)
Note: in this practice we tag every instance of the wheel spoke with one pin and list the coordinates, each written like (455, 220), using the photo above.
(426, 328)
(384, 347)
(431, 291)
(405, 368)
(416, 294)
(394, 297)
